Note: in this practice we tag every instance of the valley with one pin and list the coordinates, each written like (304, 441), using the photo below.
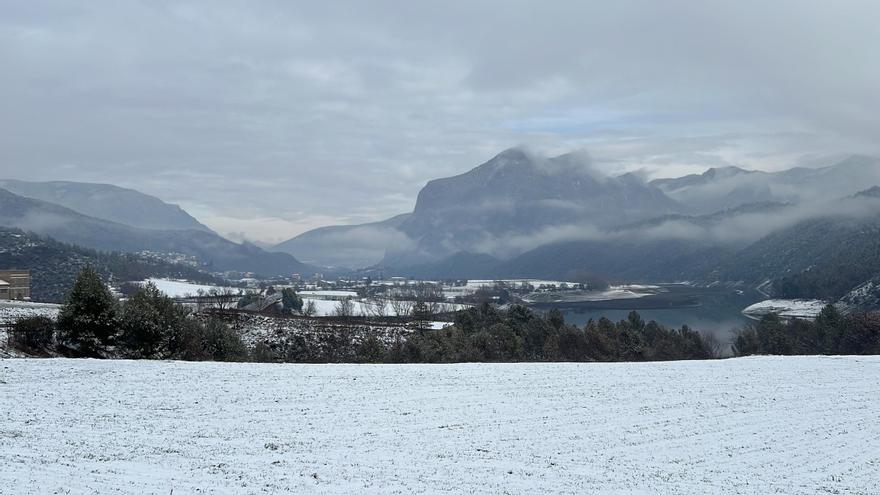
(604, 245)
(480, 247)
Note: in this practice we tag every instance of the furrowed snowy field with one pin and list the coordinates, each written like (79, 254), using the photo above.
(754, 425)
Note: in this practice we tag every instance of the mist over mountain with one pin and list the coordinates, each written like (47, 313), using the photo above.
(522, 215)
(65, 225)
(801, 232)
(517, 201)
(824, 255)
(108, 202)
(730, 187)
(349, 246)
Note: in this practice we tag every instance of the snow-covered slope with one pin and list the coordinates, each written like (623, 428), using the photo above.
(786, 308)
(746, 426)
(11, 311)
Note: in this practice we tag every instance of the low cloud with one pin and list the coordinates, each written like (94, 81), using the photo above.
(306, 112)
(736, 230)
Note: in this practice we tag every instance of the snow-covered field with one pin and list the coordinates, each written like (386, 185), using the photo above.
(786, 308)
(323, 306)
(11, 311)
(182, 288)
(793, 425)
(328, 293)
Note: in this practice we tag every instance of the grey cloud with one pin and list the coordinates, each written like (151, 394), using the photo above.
(340, 112)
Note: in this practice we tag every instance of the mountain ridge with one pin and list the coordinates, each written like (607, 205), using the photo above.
(66, 225)
(108, 202)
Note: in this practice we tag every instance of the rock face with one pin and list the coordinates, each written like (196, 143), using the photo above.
(517, 201)
(523, 214)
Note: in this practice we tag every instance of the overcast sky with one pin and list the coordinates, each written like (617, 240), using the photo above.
(265, 119)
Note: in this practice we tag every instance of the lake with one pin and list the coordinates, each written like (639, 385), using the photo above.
(711, 310)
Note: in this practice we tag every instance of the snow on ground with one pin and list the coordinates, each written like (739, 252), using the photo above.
(328, 293)
(282, 333)
(182, 288)
(10, 311)
(612, 293)
(325, 307)
(786, 308)
(795, 425)
(477, 284)
(621, 292)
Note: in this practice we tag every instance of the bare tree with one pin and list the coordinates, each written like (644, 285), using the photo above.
(344, 309)
(422, 315)
(200, 300)
(222, 298)
(429, 297)
(402, 307)
(375, 307)
(309, 308)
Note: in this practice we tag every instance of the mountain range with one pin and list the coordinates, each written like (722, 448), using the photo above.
(799, 232)
(171, 229)
(351, 246)
(108, 202)
(729, 187)
(520, 215)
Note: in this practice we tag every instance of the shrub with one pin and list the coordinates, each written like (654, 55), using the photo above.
(221, 343)
(371, 350)
(147, 322)
(32, 333)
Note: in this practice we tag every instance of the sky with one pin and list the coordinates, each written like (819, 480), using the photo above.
(265, 119)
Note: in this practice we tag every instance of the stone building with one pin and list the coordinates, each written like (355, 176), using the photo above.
(15, 284)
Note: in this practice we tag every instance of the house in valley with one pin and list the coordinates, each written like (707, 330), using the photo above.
(15, 284)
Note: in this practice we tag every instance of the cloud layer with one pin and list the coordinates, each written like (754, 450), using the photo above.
(307, 115)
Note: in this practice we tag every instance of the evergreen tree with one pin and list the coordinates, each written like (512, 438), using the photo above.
(221, 343)
(148, 321)
(746, 342)
(828, 323)
(772, 335)
(87, 321)
(371, 350)
(422, 314)
(291, 301)
(556, 318)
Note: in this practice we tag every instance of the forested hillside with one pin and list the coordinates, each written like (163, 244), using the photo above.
(54, 265)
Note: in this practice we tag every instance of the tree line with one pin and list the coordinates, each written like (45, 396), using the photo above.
(832, 332)
(147, 325)
(488, 334)
(150, 325)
